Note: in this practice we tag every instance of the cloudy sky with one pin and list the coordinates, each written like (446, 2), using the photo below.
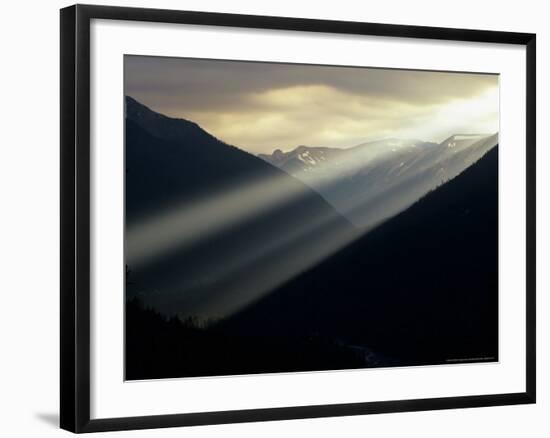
(260, 107)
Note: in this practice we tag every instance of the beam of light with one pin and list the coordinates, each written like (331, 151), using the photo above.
(252, 270)
(403, 172)
(191, 222)
(257, 267)
(269, 263)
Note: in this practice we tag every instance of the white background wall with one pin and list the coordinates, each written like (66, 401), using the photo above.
(29, 248)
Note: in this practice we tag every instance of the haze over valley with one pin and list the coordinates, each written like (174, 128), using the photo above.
(372, 181)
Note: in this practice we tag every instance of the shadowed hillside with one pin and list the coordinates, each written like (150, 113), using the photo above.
(210, 228)
(170, 161)
(421, 288)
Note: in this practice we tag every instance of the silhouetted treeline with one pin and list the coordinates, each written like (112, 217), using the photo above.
(161, 347)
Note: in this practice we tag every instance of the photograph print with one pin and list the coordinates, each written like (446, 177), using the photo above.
(297, 218)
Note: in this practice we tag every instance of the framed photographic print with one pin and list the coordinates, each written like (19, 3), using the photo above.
(270, 218)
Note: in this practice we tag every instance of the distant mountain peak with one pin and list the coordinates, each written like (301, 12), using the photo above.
(300, 149)
(137, 111)
(301, 158)
(161, 126)
(135, 108)
(464, 140)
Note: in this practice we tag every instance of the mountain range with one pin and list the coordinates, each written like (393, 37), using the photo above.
(383, 254)
(373, 181)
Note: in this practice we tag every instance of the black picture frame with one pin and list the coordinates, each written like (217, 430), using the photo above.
(75, 217)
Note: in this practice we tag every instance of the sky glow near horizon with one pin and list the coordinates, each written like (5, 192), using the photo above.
(260, 107)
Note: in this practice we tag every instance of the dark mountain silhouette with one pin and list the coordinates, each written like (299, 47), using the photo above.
(240, 245)
(174, 160)
(420, 289)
